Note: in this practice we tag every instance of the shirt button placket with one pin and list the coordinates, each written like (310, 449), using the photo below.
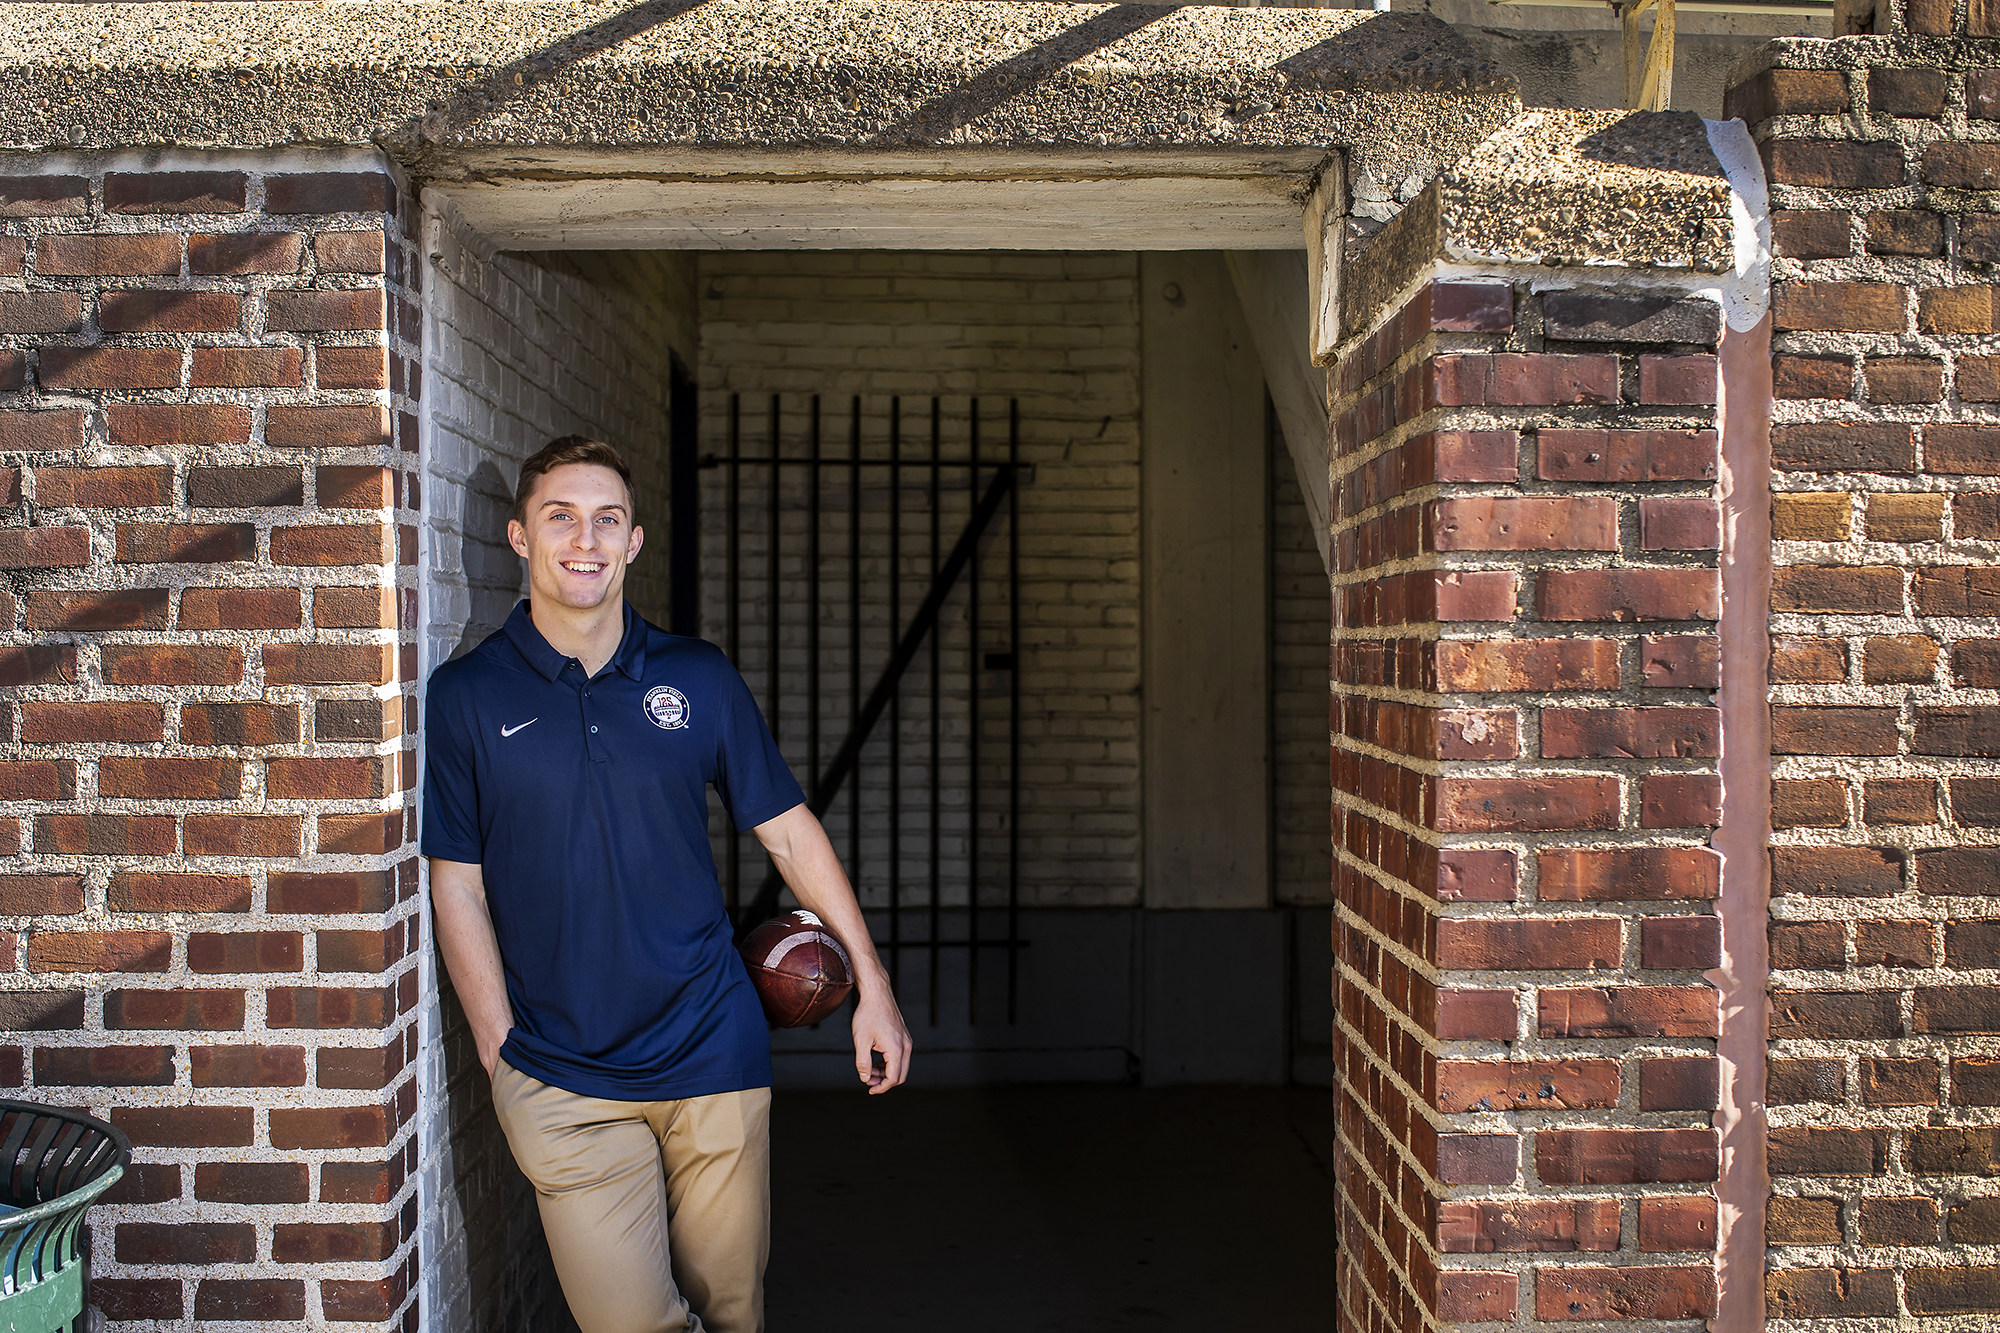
(592, 746)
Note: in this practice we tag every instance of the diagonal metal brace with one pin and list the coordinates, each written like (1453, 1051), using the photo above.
(827, 786)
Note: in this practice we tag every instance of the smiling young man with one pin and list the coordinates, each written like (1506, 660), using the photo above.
(577, 907)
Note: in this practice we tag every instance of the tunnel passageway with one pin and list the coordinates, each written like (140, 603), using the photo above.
(1054, 1209)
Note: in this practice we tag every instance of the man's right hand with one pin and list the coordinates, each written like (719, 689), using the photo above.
(489, 1045)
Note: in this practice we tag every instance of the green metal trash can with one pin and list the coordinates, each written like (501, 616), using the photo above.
(55, 1164)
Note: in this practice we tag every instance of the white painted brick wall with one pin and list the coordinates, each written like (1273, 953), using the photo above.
(519, 349)
(1301, 610)
(1058, 332)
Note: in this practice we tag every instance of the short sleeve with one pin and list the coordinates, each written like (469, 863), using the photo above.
(751, 774)
(451, 788)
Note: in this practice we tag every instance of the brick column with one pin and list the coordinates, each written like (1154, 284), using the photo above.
(1885, 1032)
(205, 419)
(1525, 775)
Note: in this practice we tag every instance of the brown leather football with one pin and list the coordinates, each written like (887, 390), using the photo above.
(799, 969)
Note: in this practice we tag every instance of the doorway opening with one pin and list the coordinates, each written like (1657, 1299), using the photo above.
(1111, 725)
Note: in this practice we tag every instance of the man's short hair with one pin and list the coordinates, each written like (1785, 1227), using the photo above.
(562, 452)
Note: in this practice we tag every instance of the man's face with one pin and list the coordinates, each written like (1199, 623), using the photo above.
(578, 537)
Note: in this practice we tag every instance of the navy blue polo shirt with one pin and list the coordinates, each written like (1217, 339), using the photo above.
(584, 801)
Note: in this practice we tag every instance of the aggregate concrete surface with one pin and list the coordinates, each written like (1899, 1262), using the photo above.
(1057, 1209)
(1402, 92)
(1592, 187)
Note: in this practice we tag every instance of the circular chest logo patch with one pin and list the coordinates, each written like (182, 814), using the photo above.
(667, 707)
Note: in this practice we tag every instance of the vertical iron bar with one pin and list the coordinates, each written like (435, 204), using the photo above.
(1274, 449)
(896, 696)
(973, 677)
(937, 698)
(683, 500)
(771, 578)
(734, 611)
(854, 635)
(812, 600)
(1013, 705)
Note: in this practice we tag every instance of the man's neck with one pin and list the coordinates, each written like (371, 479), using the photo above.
(591, 637)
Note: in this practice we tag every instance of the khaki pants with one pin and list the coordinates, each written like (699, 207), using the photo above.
(658, 1214)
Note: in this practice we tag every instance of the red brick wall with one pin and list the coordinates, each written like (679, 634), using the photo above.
(1524, 766)
(1884, 1067)
(207, 429)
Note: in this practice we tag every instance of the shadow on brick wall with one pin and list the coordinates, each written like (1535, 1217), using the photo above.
(492, 570)
(510, 1280)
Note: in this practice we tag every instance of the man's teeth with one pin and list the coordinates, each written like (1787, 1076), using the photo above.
(581, 567)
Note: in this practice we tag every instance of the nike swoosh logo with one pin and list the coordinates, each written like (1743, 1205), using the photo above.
(508, 731)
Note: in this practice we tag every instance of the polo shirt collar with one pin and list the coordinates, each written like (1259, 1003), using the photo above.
(631, 656)
(630, 659)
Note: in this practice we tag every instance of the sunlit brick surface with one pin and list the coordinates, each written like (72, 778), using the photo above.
(1524, 767)
(1885, 1026)
(209, 430)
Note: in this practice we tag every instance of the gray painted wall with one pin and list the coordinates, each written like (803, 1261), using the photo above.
(1204, 742)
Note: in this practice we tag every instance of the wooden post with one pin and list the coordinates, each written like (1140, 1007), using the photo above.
(1326, 230)
(1656, 91)
(1649, 76)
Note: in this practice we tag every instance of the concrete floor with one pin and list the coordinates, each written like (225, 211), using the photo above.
(1052, 1209)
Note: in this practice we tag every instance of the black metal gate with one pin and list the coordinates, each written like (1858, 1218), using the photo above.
(852, 582)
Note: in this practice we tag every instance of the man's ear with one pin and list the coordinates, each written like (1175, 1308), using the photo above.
(638, 540)
(517, 537)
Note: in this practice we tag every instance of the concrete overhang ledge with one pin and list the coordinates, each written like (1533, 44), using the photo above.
(531, 90)
(1632, 191)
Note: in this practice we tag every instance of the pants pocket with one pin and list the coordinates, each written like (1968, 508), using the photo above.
(509, 1085)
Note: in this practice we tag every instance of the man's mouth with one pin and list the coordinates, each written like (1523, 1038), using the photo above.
(584, 566)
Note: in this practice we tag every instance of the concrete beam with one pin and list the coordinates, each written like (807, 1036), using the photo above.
(452, 91)
(888, 213)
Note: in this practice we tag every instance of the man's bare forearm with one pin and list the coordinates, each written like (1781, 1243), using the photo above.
(471, 954)
(799, 848)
